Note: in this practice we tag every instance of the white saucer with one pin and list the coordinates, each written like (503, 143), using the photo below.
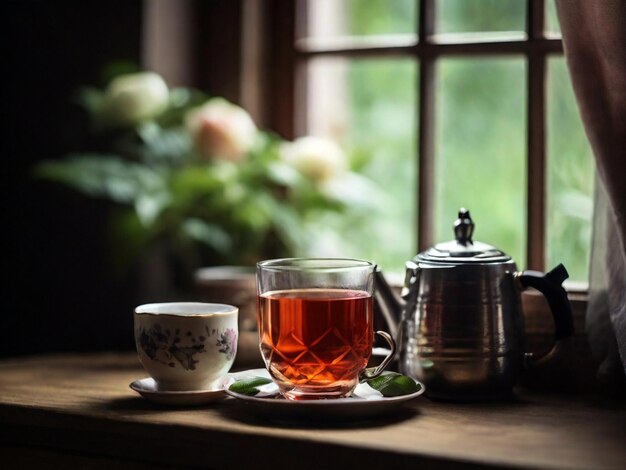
(365, 402)
(147, 388)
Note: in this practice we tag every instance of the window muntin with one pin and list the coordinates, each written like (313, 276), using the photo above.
(533, 47)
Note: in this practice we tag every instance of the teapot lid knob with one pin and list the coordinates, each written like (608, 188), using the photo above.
(463, 227)
(463, 250)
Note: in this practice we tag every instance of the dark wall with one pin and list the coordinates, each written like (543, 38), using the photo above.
(58, 290)
(218, 47)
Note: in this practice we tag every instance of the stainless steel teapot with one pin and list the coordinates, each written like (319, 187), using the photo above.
(459, 324)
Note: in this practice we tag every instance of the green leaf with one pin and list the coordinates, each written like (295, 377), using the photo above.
(357, 192)
(360, 157)
(163, 145)
(249, 386)
(211, 235)
(393, 385)
(283, 174)
(128, 239)
(288, 226)
(104, 176)
(148, 206)
(181, 101)
(91, 99)
(119, 67)
(190, 183)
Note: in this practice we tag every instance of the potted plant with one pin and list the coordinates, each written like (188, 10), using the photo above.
(194, 181)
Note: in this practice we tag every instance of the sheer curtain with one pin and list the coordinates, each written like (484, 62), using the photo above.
(594, 37)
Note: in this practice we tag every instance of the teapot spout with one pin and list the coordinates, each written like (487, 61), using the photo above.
(388, 302)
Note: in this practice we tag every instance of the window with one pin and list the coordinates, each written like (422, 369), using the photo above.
(444, 103)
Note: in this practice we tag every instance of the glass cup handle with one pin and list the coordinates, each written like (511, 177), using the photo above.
(373, 372)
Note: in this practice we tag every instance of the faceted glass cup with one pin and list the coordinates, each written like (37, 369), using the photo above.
(316, 324)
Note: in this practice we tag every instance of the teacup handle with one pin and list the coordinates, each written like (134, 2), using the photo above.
(373, 372)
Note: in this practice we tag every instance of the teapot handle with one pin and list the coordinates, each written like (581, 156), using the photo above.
(549, 284)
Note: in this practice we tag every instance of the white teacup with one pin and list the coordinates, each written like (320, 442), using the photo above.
(186, 345)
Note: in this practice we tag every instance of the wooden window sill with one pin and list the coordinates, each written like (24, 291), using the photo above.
(78, 410)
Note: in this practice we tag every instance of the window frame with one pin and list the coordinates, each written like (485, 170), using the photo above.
(289, 53)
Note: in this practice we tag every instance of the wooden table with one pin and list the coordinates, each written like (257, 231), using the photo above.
(77, 411)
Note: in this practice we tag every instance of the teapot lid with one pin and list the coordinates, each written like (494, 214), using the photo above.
(463, 249)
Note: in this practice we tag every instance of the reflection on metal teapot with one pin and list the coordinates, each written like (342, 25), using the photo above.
(459, 322)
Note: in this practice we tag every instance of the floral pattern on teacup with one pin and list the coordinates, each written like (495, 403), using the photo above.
(227, 343)
(164, 345)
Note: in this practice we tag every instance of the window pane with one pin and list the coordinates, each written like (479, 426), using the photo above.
(553, 28)
(327, 18)
(480, 160)
(459, 16)
(570, 177)
(368, 106)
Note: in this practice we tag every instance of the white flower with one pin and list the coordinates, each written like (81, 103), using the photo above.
(221, 129)
(133, 98)
(317, 158)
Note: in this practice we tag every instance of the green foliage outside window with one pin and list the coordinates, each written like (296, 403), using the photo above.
(481, 128)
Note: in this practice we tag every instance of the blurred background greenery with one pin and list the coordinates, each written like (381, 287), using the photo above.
(370, 106)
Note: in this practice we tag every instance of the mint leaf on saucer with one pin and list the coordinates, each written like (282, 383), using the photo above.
(248, 386)
(394, 385)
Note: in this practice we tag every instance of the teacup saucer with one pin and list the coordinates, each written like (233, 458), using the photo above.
(365, 402)
(147, 388)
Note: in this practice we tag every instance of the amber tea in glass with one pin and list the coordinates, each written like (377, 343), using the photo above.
(315, 324)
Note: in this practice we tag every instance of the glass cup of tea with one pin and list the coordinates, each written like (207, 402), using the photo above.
(316, 325)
